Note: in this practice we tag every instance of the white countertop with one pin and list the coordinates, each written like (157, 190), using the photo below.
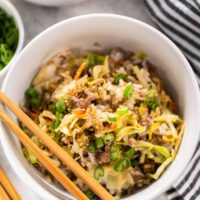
(37, 18)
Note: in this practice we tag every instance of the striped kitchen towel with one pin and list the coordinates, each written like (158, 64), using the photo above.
(180, 20)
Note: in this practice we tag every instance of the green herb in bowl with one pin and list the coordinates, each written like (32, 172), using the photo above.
(9, 36)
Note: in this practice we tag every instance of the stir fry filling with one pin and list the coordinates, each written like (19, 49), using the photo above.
(110, 112)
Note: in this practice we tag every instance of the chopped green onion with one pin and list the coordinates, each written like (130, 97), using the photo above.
(59, 115)
(134, 163)
(29, 155)
(95, 59)
(33, 98)
(129, 153)
(55, 124)
(6, 54)
(52, 107)
(1, 66)
(140, 54)
(114, 152)
(98, 172)
(8, 38)
(60, 106)
(112, 119)
(91, 195)
(152, 99)
(92, 147)
(128, 92)
(122, 165)
(99, 142)
(32, 157)
(122, 110)
(35, 102)
(25, 152)
(118, 77)
(31, 92)
(108, 138)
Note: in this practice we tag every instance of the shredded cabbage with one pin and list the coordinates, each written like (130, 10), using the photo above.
(100, 70)
(129, 130)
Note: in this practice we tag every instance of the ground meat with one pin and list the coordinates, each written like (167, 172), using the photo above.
(81, 102)
(137, 174)
(143, 137)
(104, 157)
(129, 190)
(149, 167)
(157, 139)
(67, 140)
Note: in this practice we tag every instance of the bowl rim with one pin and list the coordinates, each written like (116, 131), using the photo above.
(52, 3)
(19, 23)
(163, 187)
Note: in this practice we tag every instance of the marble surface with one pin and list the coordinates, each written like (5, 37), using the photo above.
(37, 19)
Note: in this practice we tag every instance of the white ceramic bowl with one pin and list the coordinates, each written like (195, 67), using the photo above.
(11, 10)
(110, 31)
(53, 2)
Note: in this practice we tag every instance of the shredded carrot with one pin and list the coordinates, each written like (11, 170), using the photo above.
(79, 112)
(79, 71)
(113, 126)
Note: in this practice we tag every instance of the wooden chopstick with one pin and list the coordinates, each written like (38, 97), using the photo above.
(45, 160)
(57, 150)
(3, 194)
(5, 182)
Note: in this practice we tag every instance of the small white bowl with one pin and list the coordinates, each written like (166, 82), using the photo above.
(109, 31)
(53, 2)
(12, 11)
